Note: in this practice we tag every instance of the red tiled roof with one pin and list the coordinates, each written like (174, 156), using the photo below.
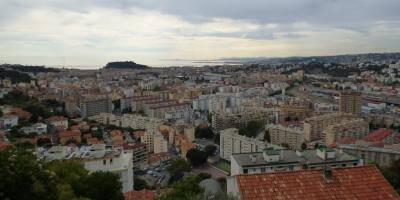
(364, 182)
(378, 135)
(347, 140)
(56, 118)
(139, 195)
(115, 133)
(69, 134)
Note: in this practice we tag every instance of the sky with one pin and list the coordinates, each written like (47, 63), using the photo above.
(90, 33)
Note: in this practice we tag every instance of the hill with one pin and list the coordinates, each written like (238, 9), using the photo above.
(125, 65)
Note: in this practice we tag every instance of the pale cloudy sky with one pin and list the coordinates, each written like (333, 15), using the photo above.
(91, 33)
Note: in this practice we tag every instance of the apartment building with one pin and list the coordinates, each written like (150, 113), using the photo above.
(139, 152)
(140, 122)
(168, 110)
(350, 102)
(314, 126)
(270, 160)
(295, 111)
(94, 105)
(160, 144)
(224, 120)
(95, 158)
(231, 142)
(381, 156)
(291, 135)
(354, 128)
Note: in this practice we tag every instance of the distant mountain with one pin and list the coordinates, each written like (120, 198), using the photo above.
(22, 73)
(125, 65)
(349, 58)
(28, 68)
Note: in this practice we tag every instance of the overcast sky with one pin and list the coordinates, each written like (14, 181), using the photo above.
(91, 33)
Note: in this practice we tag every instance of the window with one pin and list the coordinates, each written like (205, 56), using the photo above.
(262, 169)
(111, 161)
(245, 171)
(104, 162)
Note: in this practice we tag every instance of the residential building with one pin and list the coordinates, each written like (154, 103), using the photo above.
(362, 182)
(58, 121)
(271, 160)
(355, 128)
(224, 120)
(7, 121)
(231, 142)
(350, 102)
(381, 156)
(39, 128)
(314, 126)
(95, 158)
(94, 105)
(291, 135)
(139, 152)
(66, 136)
(160, 144)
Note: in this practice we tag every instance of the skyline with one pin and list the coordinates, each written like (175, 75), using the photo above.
(72, 33)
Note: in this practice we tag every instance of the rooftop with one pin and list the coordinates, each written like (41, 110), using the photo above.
(364, 182)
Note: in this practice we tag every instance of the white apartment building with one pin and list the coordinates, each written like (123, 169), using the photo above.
(39, 128)
(140, 122)
(95, 158)
(8, 121)
(231, 142)
(217, 102)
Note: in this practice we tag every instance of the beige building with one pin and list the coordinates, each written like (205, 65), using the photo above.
(350, 102)
(160, 144)
(314, 126)
(224, 120)
(291, 135)
(95, 105)
(231, 142)
(356, 128)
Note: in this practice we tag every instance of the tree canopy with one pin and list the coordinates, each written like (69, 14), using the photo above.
(252, 129)
(23, 177)
(204, 132)
(196, 157)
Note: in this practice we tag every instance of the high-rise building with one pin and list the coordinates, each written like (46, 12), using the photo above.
(350, 102)
(95, 105)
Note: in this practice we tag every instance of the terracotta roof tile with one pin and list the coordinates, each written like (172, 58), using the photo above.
(364, 182)
(139, 195)
(378, 135)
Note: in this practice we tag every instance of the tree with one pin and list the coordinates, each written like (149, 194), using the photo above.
(204, 132)
(316, 145)
(1, 113)
(22, 177)
(103, 186)
(210, 150)
(140, 184)
(178, 166)
(70, 172)
(187, 188)
(287, 146)
(392, 174)
(196, 157)
(303, 146)
(252, 129)
(267, 136)
(216, 138)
